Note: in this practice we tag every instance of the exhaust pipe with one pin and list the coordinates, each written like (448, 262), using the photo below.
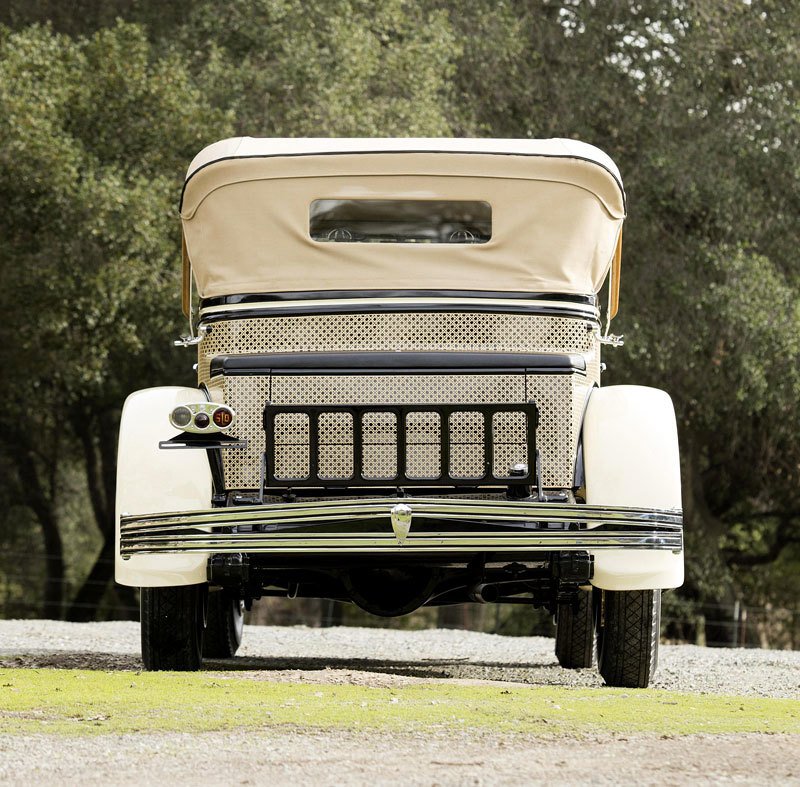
(484, 594)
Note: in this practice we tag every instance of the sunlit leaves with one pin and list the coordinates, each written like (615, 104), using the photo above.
(97, 133)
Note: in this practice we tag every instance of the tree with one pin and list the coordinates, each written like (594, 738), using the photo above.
(699, 106)
(697, 102)
(327, 67)
(88, 240)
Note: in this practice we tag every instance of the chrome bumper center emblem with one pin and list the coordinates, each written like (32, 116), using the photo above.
(401, 521)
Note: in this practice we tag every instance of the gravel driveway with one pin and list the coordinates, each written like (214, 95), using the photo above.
(381, 655)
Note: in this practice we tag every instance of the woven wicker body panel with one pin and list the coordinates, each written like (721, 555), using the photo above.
(397, 331)
(560, 398)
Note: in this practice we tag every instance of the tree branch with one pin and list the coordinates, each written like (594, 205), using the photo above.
(786, 534)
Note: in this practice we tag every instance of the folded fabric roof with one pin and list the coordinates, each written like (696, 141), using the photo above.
(557, 210)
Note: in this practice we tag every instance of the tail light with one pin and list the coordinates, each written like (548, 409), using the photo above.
(202, 418)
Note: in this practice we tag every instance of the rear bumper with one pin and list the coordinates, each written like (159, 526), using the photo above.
(437, 526)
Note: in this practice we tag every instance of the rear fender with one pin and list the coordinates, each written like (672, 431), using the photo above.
(152, 480)
(630, 458)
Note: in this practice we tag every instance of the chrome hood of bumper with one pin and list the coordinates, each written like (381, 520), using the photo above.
(437, 525)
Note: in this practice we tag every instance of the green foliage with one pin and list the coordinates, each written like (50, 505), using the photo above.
(89, 283)
(327, 68)
(89, 236)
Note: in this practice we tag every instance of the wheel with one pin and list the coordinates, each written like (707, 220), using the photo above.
(224, 627)
(627, 637)
(575, 632)
(173, 620)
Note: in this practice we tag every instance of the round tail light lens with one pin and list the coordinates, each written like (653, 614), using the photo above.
(223, 417)
(181, 417)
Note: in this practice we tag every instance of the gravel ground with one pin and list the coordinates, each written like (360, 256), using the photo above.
(381, 656)
(292, 757)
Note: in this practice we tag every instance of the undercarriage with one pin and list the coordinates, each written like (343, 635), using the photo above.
(396, 587)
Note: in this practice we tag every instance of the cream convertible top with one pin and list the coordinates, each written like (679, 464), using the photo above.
(557, 212)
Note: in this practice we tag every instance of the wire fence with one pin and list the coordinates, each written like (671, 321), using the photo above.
(736, 624)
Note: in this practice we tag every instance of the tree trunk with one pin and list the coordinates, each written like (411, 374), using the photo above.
(98, 437)
(704, 531)
(42, 503)
(86, 603)
(53, 607)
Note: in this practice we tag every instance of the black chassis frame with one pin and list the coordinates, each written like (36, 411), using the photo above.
(541, 579)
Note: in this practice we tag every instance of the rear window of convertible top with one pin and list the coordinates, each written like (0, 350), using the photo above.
(400, 221)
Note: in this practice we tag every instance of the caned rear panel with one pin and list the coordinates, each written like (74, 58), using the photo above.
(560, 398)
(401, 331)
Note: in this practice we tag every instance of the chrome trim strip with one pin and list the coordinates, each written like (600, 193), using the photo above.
(286, 525)
(323, 509)
(600, 527)
(155, 526)
(257, 542)
(588, 312)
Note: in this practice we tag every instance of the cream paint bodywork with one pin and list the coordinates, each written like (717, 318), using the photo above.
(152, 480)
(630, 454)
(557, 212)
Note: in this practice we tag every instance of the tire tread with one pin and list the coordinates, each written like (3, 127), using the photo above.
(628, 642)
(575, 633)
(171, 627)
(222, 637)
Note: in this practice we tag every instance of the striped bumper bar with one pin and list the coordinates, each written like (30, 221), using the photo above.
(402, 525)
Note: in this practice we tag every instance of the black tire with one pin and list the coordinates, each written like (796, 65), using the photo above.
(627, 637)
(224, 625)
(173, 620)
(575, 632)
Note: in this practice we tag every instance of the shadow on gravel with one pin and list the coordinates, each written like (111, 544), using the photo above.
(432, 669)
(428, 668)
(72, 660)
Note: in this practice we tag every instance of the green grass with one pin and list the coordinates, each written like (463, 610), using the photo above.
(86, 702)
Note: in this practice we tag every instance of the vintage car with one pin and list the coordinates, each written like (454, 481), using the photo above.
(399, 400)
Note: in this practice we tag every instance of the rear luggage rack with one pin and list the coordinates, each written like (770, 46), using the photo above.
(400, 445)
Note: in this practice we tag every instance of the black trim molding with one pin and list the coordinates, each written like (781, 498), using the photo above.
(538, 311)
(396, 363)
(316, 295)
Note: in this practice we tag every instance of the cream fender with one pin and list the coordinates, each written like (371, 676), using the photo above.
(630, 455)
(152, 480)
